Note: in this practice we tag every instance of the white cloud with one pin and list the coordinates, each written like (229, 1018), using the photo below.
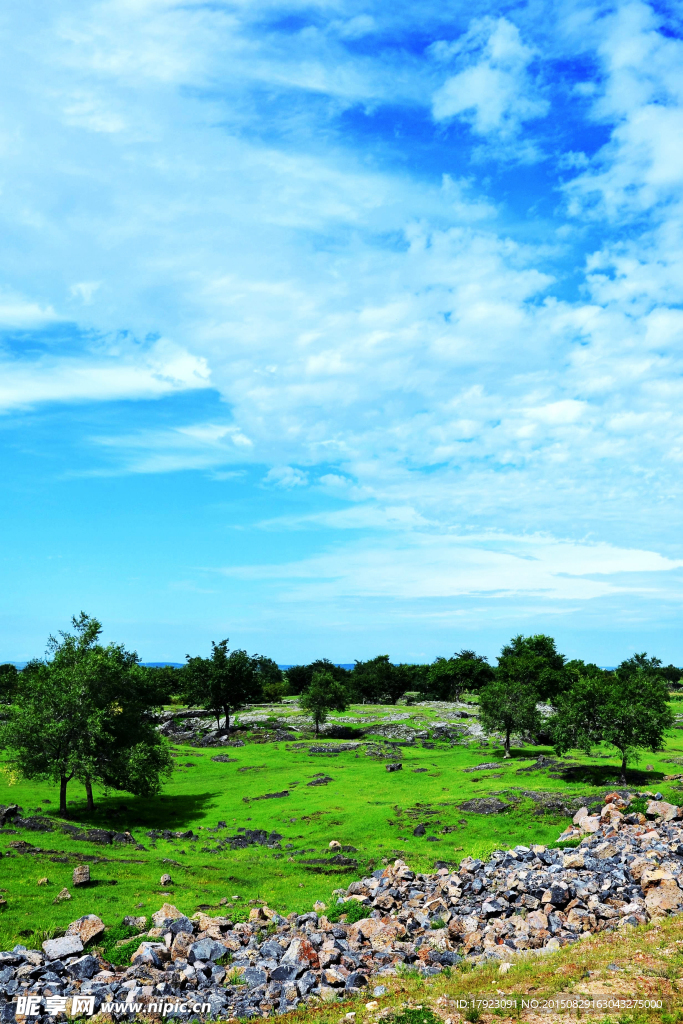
(286, 477)
(494, 91)
(162, 369)
(423, 566)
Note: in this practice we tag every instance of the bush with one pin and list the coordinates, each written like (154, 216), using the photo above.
(353, 911)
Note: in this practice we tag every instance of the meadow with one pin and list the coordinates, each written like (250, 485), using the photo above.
(371, 812)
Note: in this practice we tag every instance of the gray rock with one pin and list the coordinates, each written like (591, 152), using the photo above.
(66, 946)
(253, 977)
(84, 968)
(206, 949)
(81, 875)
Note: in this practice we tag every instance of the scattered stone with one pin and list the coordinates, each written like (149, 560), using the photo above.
(485, 805)
(165, 880)
(86, 928)
(135, 922)
(43, 881)
(396, 766)
(55, 949)
(63, 895)
(81, 875)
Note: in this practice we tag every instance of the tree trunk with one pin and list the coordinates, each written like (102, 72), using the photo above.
(507, 743)
(622, 780)
(63, 781)
(227, 721)
(317, 727)
(88, 794)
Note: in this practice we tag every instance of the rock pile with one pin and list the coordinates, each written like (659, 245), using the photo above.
(627, 869)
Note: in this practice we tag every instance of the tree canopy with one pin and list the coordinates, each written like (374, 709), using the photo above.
(223, 682)
(325, 694)
(628, 710)
(87, 712)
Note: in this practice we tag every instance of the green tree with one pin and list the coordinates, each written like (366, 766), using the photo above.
(8, 683)
(465, 671)
(86, 713)
(628, 710)
(508, 704)
(534, 662)
(300, 677)
(223, 682)
(271, 678)
(377, 681)
(325, 694)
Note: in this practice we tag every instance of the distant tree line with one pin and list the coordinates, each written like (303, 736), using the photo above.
(86, 712)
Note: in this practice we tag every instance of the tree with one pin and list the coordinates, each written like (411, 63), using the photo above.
(508, 704)
(465, 671)
(628, 710)
(535, 662)
(86, 713)
(271, 678)
(300, 677)
(8, 683)
(223, 682)
(377, 681)
(325, 694)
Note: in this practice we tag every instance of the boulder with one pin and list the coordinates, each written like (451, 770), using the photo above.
(165, 880)
(84, 968)
(573, 860)
(662, 809)
(55, 949)
(580, 815)
(167, 913)
(152, 953)
(206, 949)
(87, 928)
(81, 875)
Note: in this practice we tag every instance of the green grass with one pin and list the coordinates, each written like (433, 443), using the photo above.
(364, 807)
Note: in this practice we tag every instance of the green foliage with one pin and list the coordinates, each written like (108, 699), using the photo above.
(87, 713)
(448, 678)
(438, 922)
(225, 681)
(353, 911)
(378, 681)
(120, 955)
(8, 683)
(473, 1015)
(534, 663)
(324, 694)
(300, 677)
(628, 710)
(425, 1015)
(507, 705)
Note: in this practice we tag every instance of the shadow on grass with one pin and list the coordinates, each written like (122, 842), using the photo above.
(119, 813)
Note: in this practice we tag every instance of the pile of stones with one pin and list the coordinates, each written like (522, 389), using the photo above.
(625, 871)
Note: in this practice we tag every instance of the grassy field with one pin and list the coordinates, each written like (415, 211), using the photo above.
(362, 806)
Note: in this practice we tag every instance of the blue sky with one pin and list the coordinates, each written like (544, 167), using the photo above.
(342, 328)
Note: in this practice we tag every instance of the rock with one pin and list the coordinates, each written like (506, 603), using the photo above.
(87, 928)
(580, 815)
(319, 907)
(591, 823)
(396, 766)
(167, 913)
(84, 968)
(55, 949)
(206, 949)
(43, 881)
(356, 981)
(135, 922)
(379, 990)
(63, 895)
(419, 830)
(662, 809)
(573, 860)
(484, 805)
(165, 880)
(335, 845)
(81, 874)
(152, 953)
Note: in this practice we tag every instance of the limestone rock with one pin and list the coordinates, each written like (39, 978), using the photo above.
(81, 875)
(55, 949)
(87, 928)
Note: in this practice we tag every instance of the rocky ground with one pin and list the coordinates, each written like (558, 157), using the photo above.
(627, 870)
